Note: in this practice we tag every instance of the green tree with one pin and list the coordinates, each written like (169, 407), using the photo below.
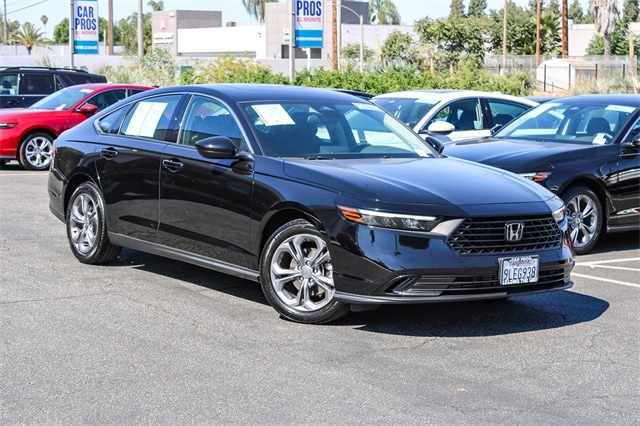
(477, 8)
(255, 8)
(606, 15)
(456, 10)
(575, 12)
(400, 47)
(521, 29)
(383, 12)
(630, 11)
(554, 6)
(619, 41)
(156, 6)
(454, 39)
(61, 32)
(29, 36)
(44, 19)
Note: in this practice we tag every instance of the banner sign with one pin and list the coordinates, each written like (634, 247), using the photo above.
(85, 25)
(309, 25)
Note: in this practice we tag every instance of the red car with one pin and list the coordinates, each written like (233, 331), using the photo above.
(27, 134)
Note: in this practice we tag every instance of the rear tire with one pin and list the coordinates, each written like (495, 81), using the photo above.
(87, 227)
(297, 277)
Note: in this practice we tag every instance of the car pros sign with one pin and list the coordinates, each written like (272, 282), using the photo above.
(309, 19)
(85, 26)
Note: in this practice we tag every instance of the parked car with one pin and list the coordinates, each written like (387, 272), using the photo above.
(322, 197)
(27, 134)
(585, 149)
(24, 86)
(459, 114)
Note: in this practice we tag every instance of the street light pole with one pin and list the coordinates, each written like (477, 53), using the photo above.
(361, 17)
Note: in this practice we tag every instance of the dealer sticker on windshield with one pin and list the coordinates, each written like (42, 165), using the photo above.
(519, 270)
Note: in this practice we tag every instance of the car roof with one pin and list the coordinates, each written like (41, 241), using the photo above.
(101, 86)
(450, 94)
(626, 99)
(245, 92)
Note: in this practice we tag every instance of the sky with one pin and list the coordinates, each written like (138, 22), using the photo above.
(232, 10)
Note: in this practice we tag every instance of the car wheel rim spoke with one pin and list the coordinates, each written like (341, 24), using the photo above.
(301, 273)
(584, 220)
(38, 151)
(83, 223)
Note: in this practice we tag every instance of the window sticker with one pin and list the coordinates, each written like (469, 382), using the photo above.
(620, 108)
(273, 114)
(146, 118)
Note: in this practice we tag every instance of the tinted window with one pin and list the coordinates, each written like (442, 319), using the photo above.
(9, 84)
(37, 84)
(505, 111)
(111, 123)
(463, 114)
(206, 117)
(107, 98)
(151, 117)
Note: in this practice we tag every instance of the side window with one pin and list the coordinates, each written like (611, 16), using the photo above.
(37, 84)
(111, 123)
(206, 117)
(463, 114)
(9, 84)
(151, 117)
(505, 111)
(107, 98)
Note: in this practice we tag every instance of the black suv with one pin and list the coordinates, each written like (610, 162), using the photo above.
(23, 86)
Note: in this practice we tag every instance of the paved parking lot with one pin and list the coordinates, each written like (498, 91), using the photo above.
(150, 340)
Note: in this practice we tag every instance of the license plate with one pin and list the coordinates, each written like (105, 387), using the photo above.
(518, 270)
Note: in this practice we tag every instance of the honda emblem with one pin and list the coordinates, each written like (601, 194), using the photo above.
(513, 231)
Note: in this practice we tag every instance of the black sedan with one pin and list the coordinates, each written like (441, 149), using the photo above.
(326, 200)
(584, 148)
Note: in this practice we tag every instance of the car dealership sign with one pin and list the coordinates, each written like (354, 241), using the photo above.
(85, 26)
(309, 21)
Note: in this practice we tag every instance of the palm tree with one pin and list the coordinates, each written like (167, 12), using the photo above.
(606, 15)
(29, 36)
(44, 20)
(383, 12)
(255, 8)
(156, 6)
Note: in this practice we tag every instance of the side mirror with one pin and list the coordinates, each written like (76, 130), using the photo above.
(496, 128)
(88, 109)
(216, 147)
(435, 143)
(440, 128)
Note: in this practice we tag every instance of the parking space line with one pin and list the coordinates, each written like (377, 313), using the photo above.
(591, 277)
(600, 262)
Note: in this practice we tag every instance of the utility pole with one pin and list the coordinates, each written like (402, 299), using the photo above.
(6, 33)
(334, 34)
(140, 30)
(538, 7)
(71, 33)
(110, 28)
(504, 40)
(565, 30)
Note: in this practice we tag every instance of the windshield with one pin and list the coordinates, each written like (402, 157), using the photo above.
(568, 121)
(63, 99)
(330, 130)
(408, 110)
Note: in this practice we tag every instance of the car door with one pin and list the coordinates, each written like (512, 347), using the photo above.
(9, 97)
(129, 154)
(626, 188)
(501, 111)
(205, 203)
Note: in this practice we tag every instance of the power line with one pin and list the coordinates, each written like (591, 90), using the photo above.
(26, 7)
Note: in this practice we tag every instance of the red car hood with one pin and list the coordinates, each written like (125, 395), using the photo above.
(11, 113)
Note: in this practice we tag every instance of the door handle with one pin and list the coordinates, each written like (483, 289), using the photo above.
(108, 153)
(173, 165)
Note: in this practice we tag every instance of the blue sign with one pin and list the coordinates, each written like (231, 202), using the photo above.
(85, 25)
(309, 23)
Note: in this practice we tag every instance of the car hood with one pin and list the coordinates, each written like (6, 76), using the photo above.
(518, 155)
(419, 181)
(17, 113)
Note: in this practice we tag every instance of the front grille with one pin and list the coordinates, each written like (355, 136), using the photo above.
(454, 285)
(487, 235)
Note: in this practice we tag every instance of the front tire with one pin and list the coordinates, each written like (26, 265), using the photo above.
(585, 214)
(87, 227)
(296, 275)
(36, 151)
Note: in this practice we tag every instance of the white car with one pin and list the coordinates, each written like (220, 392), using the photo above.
(459, 114)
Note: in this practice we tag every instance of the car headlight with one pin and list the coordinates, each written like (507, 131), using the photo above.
(537, 176)
(559, 214)
(8, 125)
(389, 220)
